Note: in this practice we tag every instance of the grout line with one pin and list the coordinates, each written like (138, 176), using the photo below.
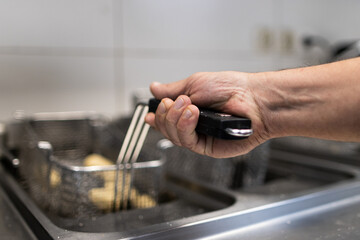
(133, 53)
(101, 52)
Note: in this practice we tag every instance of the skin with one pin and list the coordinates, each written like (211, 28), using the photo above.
(320, 101)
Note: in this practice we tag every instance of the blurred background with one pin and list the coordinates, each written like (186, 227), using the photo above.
(97, 55)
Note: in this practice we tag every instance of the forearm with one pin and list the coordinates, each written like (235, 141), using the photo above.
(321, 101)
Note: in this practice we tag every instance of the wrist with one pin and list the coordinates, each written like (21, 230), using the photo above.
(286, 101)
(316, 101)
(260, 87)
(298, 102)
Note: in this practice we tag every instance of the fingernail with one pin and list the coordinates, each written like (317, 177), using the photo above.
(179, 103)
(161, 108)
(187, 114)
(155, 84)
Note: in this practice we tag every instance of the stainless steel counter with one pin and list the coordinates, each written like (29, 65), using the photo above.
(12, 225)
(339, 220)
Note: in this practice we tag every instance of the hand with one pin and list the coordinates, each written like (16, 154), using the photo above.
(319, 101)
(228, 92)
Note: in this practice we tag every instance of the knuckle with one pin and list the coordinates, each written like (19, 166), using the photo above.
(197, 75)
(188, 145)
(170, 121)
(182, 130)
(159, 123)
(186, 140)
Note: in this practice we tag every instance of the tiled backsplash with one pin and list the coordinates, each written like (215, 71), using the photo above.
(91, 55)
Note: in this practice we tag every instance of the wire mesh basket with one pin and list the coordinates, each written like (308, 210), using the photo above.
(68, 166)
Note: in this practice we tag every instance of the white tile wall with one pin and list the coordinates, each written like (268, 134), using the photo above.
(65, 23)
(332, 19)
(335, 21)
(189, 24)
(46, 83)
(60, 55)
(169, 40)
(56, 56)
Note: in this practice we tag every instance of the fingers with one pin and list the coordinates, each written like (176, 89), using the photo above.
(150, 119)
(173, 117)
(186, 127)
(176, 120)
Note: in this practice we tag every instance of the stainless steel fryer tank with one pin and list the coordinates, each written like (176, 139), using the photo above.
(295, 184)
(52, 151)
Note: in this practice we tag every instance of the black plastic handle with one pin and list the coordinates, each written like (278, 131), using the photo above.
(218, 125)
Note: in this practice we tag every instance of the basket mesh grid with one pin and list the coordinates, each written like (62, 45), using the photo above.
(53, 180)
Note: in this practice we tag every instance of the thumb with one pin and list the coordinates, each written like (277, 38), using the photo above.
(170, 90)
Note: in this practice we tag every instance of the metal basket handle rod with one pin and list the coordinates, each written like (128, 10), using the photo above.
(129, 153)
